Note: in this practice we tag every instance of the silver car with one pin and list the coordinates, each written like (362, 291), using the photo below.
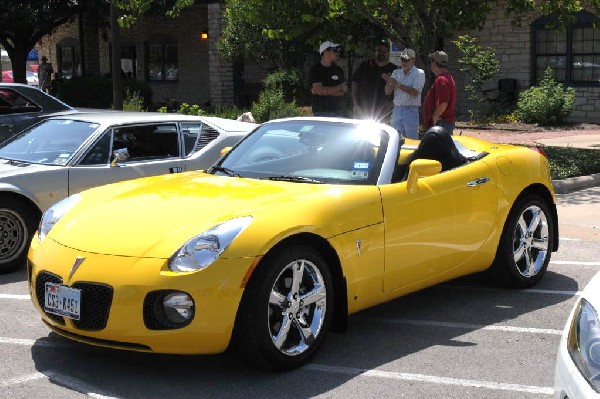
(22, 106)
(64, 155)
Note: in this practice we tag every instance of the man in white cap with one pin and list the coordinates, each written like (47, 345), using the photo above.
(328, 83)
(407, 84)
(438, 107)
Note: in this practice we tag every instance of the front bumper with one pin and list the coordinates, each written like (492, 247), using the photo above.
(216, 291)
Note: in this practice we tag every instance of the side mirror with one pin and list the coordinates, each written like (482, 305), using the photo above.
(225, 150)
(120, 155)
(421, 168)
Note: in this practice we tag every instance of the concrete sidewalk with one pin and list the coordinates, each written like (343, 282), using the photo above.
(584, 141)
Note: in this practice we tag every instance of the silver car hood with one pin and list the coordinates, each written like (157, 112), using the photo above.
(15, 168)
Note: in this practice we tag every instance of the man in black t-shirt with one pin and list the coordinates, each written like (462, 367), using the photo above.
(368, 85)
(328, 83)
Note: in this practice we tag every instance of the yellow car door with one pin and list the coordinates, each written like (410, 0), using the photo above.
(439, 226)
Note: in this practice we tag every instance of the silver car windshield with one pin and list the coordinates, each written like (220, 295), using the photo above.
(52, 142)
(308, 151)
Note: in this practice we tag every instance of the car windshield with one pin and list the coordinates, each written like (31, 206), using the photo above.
(309, 151)
(52, 142)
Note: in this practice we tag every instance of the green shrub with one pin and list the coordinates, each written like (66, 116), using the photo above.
(271, 104)
(194, 109)
(291, 82)
(96, 91)
(133, 101)
(548, 103)
(566, 162)
(480, 65)
(227, 112)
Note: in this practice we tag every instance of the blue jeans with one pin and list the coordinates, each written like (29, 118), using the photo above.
(406, 121)
(449, 126)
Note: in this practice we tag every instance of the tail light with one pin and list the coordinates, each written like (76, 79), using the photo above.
(539, 150)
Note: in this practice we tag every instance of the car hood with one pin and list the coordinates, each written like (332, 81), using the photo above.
(14, 168)
(153, 217)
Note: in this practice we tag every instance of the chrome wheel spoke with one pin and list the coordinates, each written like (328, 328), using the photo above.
(319, 293)
(298, 272)
(519, 252)
(277, 299)
(283, 332)
(535, 221)
(540, 243)
(530, 264)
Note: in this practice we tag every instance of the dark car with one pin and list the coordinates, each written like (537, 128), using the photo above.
(21, 106)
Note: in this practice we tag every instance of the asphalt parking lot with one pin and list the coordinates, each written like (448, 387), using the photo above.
(457, 340)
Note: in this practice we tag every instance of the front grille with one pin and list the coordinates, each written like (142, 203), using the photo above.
(96, 300)
(207, 135)
(95, 305)
(40, 291)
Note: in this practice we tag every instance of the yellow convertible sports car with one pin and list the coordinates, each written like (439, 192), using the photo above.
(302, 223)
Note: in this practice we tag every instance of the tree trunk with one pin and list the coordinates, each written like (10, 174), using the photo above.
(117, 81)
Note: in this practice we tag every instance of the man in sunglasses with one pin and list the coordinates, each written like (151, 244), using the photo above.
(328, 83)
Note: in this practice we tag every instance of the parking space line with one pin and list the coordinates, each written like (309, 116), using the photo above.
(21, 380)
(17, 341)
(14, 296)
(68, 382)
(498, 386)
(465, 326)
(572, 262)
(77, 385)
(525, 291)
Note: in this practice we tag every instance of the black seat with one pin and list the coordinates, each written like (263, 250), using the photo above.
(438, 145)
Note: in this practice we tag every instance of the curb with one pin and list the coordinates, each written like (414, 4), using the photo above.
(572, 184)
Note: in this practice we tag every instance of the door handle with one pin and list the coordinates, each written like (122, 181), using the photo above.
(8, 126)
(175, 169)
(477, 182)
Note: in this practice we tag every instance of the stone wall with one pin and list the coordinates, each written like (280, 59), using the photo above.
(513, 48)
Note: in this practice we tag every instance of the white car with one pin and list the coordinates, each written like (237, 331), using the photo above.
(64, 155)
(577, 372)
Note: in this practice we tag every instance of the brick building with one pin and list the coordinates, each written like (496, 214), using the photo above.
(177, 57)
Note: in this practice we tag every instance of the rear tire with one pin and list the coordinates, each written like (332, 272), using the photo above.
(17, 225)
(525, 245)
(286, 309)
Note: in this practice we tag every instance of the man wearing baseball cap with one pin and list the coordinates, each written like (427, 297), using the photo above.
(328, 83)
(407, 84)
(440, 101)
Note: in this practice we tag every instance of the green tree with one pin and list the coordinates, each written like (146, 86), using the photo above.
(479, 64)
(422, 25)
(24, 23)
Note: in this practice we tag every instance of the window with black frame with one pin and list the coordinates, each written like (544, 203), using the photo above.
(573, 53)
(163, 59)
(69, 60)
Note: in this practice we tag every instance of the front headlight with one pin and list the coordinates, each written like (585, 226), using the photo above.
(584, 343)
(202, 250)
(53, 215)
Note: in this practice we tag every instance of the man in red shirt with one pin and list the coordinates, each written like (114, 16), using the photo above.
(438, 108)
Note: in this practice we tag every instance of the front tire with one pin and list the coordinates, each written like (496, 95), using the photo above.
(17, 225)
(525, 245)
(286, 309)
